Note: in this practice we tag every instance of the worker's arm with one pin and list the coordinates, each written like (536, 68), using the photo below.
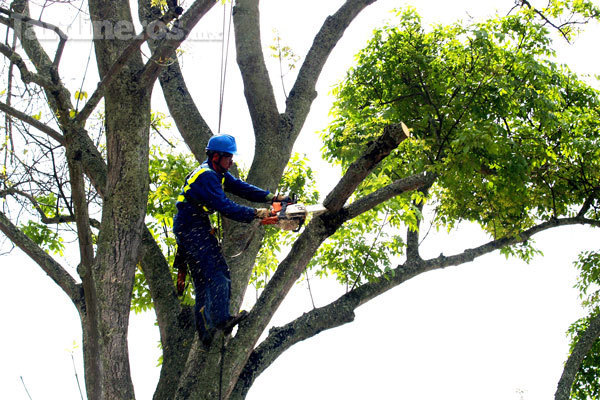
(207, 190)
(245, 190)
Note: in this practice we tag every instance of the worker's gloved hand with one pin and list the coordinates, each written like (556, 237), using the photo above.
(262, 213)
(282, 197)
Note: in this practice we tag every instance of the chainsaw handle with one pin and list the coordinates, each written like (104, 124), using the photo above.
(272, 220)
(284, 205)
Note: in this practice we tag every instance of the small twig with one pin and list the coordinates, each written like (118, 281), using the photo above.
(76, 376)
(430, 227)
(309, 289)
(61, 35)
(370, 249)
(162, 137)
(8, 110)
(27, 391)
(542, 16)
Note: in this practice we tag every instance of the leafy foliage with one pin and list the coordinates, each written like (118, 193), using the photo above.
(356, 254)
(512, 136)
(167, 176)
(298, 178)
(589, 278)
(45, 237)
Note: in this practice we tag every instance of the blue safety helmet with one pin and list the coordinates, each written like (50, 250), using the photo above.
(222, 143)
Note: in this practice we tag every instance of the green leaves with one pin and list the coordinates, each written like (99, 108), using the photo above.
(167, 176)
(360, 251)
(298, 178)
(44, 237)
(512, 136)
(589, 278)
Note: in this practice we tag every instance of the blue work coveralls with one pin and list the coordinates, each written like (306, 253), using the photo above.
(203, 194)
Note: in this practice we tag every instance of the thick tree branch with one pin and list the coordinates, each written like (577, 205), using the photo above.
(250, 58)
(82, 218)
(587, 205)
(392, 136)
(342, 310)
(395, 188)
(176, 323)
(26, 75)
(303, 93)
(182, 108)
(304, 249)
(584, 344)
(54, 270)
(281, 339)
(33, 122)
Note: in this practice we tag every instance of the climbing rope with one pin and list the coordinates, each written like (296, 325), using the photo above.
(221, 368)
(224, 57)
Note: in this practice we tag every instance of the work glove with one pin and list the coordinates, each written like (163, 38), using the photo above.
(262, 213)
(281, 198)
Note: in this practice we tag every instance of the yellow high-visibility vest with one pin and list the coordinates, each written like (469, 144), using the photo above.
(192, 179)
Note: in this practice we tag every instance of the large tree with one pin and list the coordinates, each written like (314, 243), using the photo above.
(500, 136)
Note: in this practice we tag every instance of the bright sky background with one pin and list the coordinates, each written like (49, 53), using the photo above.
(492, 329)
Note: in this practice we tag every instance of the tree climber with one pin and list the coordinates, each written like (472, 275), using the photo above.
(198, 246)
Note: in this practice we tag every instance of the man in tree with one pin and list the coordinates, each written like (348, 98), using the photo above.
(199, 248)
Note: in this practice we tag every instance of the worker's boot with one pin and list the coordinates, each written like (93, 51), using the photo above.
(206, 337)
(228, 325)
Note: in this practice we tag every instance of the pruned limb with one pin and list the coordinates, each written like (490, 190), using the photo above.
(303, 93)
(54, 270)
(584, 344)
(33, 122)
(395, 188)
(173, 40)
(392, 136)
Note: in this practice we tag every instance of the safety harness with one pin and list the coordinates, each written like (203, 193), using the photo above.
(180, 260)
(191, 178)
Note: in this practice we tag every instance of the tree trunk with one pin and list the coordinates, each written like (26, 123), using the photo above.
(127, 121)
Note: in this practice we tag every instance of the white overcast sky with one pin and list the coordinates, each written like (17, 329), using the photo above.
(492, 329)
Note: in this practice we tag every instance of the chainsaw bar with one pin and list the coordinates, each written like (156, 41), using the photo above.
(291, 217)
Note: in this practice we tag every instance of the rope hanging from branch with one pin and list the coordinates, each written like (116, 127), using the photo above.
(224, 57)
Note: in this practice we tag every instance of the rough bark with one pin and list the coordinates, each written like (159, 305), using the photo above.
(229, 367)
(584, 344)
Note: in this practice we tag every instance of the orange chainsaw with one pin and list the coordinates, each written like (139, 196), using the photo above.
(290, 216)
